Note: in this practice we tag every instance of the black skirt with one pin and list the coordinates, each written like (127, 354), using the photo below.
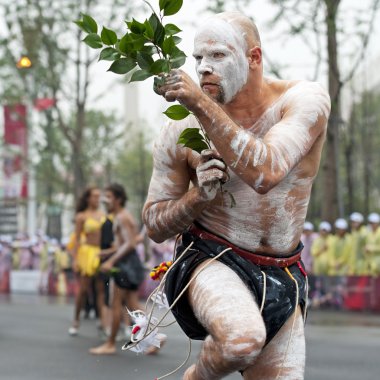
(280, 297)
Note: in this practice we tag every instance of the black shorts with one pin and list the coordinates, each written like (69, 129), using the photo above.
(131, 272)
(280, 297)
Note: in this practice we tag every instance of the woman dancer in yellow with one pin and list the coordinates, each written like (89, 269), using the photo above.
(88, 222)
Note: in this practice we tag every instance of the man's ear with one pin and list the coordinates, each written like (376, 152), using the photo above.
(255, 56)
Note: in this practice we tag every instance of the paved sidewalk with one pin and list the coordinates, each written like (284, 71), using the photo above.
(34, 345)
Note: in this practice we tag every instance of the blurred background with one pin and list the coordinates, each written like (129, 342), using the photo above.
(66, 123)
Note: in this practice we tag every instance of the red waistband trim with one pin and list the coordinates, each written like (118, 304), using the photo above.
(255, 258)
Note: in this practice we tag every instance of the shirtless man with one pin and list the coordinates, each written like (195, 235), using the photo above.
(267, 138)
(126, 238)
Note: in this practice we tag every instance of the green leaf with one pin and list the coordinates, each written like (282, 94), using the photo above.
(177, 112)
(108, 36)
(148, 49)
(197, 145)
(109, 54)
(189, 133)
(136, 27)
(160, 66)
(122, 66)
(149, 32)
(170, 7)
(177, 39)
(81, 25)
(140, 75)
(89, 24)
(144, 60)
(158, 28)
(126, 44)
(168, 45)
(177, 58)
(171, 29)
(93, 40)
(138, 41)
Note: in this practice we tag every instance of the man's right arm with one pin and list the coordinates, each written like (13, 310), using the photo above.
(171, 207)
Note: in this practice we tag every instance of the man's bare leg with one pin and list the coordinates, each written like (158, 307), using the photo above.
(109, 347)
(270, 363)
(100, 300)
(227, 309)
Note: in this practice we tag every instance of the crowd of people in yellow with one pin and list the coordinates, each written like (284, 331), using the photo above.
(353, 249)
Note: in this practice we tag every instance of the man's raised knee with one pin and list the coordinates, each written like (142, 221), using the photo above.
(244, 348)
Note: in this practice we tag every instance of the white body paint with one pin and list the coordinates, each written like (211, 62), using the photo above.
(258, 221)
(239, 322)
(208, 44)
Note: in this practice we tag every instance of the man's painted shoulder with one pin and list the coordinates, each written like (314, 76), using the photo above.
(312, 88)
(310, 95)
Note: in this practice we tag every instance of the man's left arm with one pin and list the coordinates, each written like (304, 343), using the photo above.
(260, 162)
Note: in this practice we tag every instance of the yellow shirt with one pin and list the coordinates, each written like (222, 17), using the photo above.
(372, 255)
(339, 255)
(319, 251)
(356, 259)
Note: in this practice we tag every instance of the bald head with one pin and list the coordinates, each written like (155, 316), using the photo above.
(222, 50)
(244, 25)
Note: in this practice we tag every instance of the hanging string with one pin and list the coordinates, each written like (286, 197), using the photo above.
(152, 328)
(293, 324)
(264, 292)
(179, 367)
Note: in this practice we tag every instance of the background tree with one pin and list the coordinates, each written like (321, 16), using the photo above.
(61, 64)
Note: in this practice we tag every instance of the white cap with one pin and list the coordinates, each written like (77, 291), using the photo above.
(325, 226)
(341, 224)
(374, 217)
(356, 217)
(308, 226)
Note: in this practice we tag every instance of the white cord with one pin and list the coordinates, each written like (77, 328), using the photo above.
(294, 322)
(264, 292)
(147, 333)
(178, 368)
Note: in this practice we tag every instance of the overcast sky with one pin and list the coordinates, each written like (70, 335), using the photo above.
(298, 61)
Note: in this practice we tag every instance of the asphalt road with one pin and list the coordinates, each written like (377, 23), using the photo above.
(34, 345)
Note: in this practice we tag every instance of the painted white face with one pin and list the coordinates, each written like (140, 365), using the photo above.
(221, 61)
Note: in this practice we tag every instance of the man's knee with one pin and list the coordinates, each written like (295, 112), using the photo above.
(244, 347)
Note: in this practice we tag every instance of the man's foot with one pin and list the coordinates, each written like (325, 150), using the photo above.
(152, 350)
(189, 373)
(104, 349)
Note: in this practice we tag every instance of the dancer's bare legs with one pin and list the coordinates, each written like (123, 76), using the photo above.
(100, 301)
(237, 331)
(84, 286)
(277, 361)
(109, 347)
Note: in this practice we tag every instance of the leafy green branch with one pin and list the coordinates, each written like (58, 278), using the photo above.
(148, 48)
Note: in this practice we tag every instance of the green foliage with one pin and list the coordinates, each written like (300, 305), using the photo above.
(108, 36)
(109, 54)
(150, 45)
(94, 41)
(193, 139)
(177, 112)
(170, 7)
(122, 65)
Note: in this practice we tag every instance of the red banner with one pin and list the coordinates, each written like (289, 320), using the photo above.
(43, 104)
(15, 152)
